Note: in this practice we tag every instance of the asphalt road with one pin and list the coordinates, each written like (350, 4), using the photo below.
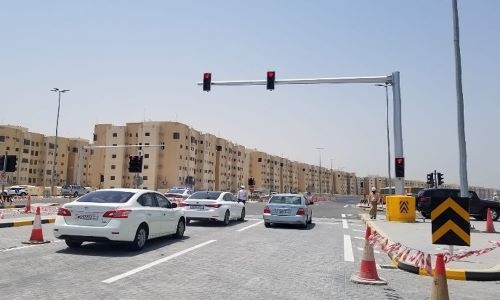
(244, 260)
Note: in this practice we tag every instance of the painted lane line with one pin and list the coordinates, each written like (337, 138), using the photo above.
(358, 230)
(250, 226)
(329, 223)
(348, 253)
(374, 251)
(154, 263)
(359, 225)
(359, 237)
(344, 222)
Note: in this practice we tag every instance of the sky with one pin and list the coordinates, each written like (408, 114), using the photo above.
(135, 61)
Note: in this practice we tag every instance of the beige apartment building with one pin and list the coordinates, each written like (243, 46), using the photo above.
(174, 154)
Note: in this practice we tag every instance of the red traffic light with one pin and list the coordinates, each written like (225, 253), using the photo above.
(400, 161)
(207, 81)
(271, 78)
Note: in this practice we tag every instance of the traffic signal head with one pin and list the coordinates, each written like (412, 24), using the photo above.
(11, 163)
(271, 78)
(135, 164)
(207, 81)
(162, 146)
(430, 179)
(400, 167)
(440, 179)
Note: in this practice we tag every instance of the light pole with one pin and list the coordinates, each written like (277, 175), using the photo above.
(52, 175)
(388, 139)
(332, 189)
(319, 150)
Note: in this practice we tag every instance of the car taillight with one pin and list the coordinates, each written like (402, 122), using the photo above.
(182, 204)
(267, 210)
(300, 212)
(213, 205)
(63, 212)
(117, 214)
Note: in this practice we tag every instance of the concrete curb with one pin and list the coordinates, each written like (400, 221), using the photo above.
(492, 274)
(18, 223)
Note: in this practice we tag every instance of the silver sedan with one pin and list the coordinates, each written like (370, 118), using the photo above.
(288, 209)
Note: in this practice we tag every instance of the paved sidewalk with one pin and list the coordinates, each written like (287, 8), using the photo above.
(417, 236)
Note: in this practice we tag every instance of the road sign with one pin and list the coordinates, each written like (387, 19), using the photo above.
(450, 221)
(3, 178)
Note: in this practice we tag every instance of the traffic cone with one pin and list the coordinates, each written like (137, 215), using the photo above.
(440, 286)
(27, 208)
(36, 233)
(489, 223)
(368, 271)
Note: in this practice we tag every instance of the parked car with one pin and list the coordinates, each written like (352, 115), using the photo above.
(178, 194)
(214, 206)
(118, 215)
(478, 208)
(17, 191)
(288, 209)
(73, 190)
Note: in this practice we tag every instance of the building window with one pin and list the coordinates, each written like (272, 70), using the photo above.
(113, 167)
(115, 134)
(95, 137)
(145, 177)
(112, 178)
(113, 156)
(146, 155)
(176, 136)
(147, 134)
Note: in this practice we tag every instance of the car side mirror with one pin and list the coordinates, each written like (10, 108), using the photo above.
(173, 205)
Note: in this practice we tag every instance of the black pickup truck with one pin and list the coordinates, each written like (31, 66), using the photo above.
(478, 208)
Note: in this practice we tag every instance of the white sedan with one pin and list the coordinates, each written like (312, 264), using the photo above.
(119, 215)
(212, 205)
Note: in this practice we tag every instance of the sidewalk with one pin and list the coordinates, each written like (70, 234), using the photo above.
(482, 265)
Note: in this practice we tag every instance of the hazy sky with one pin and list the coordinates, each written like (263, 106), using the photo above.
(130, 61)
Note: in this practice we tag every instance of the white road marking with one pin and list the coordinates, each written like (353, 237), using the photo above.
(329, 223)
(346, 205)
(250, 226)
(156, 262)
(374, 251)
(358, 230)
(344, 222)
(348, 254)
(359, 237)
(359, 225)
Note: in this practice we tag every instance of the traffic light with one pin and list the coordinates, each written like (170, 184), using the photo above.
(271, 78)
(11, 163)
(430, 179)
(162, 146)
(400, 167)
(135, 164)
(440, 178)
(207, 81)
(251, 181)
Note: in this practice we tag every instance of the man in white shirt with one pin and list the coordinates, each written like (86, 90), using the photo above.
(242, 195)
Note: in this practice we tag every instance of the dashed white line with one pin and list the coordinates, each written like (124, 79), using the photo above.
(250, 226)
(344, 222)
(358, 230)
(348, 253)
(154, 263)
(374, 251)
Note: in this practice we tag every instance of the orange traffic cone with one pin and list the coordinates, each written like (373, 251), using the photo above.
(368, 271)
(440, 285)
(27, 208)
(489, 223)
(36, 233)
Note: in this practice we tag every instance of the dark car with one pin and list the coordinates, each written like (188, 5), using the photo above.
(478, 208)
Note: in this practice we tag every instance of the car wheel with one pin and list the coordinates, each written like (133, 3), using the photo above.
(226, 218)
(73, 244)
(141, 236)
(242, 217)
(267, 224)
(494, 214)
(22, 194)
(181, 227)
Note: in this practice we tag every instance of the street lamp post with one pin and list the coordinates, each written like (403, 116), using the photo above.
(388, 139)
(52, 175)
(319, 150)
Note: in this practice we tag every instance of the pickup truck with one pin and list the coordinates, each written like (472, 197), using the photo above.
(478, 208)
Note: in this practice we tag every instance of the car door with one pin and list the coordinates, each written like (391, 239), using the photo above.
(229, 203)
(169, 222)
(154, 215)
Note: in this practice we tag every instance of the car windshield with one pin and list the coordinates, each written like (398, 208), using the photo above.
(205, 195)
(176, 191)
(106, 197)
(285, 200)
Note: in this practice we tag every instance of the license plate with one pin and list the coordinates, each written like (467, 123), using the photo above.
(282, 211)
(87, 217)
(196, 206)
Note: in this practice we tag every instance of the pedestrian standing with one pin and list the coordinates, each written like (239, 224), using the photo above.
(242, 195)
(374, 200)
(495, 197)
